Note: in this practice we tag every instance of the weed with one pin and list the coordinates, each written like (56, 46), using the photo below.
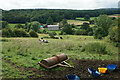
(96, 47)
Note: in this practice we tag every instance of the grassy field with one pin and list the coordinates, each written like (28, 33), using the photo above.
(76, 22)
(13, 25)
(27, 52)
(57, 31)
(81, 18)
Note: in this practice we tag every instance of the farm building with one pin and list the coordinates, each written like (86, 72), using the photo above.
(53, 27)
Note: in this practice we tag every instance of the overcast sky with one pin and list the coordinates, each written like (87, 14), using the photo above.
(58, 4)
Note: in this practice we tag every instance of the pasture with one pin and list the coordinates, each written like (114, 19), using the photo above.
(21, 55)
(13, 25)
(82, 19)
(76, 22)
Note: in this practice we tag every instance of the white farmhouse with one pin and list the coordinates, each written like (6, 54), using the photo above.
(53, 27)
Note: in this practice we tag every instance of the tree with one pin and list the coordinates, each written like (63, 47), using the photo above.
(98, 33)
(4, 24)
(87, 29)
(19, 33)
(64, 21)
(33, 33)
(67, 29)
(35, 25)
(103, 23)
(6, 32)
(114, 32)
(73, 26)
(85, 26)
(49, 20)
(28, 15)
(91, 21)
(87, 18)
(28, 26)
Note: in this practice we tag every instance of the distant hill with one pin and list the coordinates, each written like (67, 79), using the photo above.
(41, 15)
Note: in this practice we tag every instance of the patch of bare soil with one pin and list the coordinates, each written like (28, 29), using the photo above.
(80, 69)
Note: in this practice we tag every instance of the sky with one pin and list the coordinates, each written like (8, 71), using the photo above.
(58, 4)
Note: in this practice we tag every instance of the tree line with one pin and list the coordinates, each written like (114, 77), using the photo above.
(28, 30)
(57, 15)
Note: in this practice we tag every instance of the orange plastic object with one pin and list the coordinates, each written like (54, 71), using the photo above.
(102, 70)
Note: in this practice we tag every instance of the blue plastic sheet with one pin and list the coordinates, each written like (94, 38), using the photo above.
(95, 73)
(111, 67)
(72, 77)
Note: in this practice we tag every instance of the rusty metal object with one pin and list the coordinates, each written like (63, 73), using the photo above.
(55, 61)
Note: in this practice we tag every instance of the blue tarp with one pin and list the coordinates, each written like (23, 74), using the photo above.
(95, 73)
(111, 67)
(41, 26)
(72, 77)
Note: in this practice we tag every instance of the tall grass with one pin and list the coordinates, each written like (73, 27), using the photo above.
(96, 47)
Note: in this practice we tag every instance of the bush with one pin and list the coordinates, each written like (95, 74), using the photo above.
(33, 33)
(77, 32)
(20, 33)
(87, 17)
(114, 33)
(19, 26)
(6, 32)
(98, 33)
(90, 33)
(4, 24)
(67, 29)
(5, 40)
(35, 25)
(96, 48)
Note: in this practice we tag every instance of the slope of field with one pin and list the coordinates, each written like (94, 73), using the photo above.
(24, 54)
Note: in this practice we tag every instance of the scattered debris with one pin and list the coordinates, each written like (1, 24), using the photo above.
(111, 67)
(58, 60)
(102, 70)
(95, 73)
(72, 77)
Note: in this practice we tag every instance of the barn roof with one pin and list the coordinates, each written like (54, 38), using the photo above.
(53, 26)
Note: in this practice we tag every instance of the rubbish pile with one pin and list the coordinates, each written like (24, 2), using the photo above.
(102, 70)
(95, 73)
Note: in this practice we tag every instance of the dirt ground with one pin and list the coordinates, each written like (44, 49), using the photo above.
(80, 69)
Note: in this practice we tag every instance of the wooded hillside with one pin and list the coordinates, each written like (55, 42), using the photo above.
(41, 15)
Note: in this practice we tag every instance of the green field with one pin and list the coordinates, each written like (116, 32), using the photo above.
(27, 52)
(13, 25)
(57, 31)
(76, 22)
(81, 18)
